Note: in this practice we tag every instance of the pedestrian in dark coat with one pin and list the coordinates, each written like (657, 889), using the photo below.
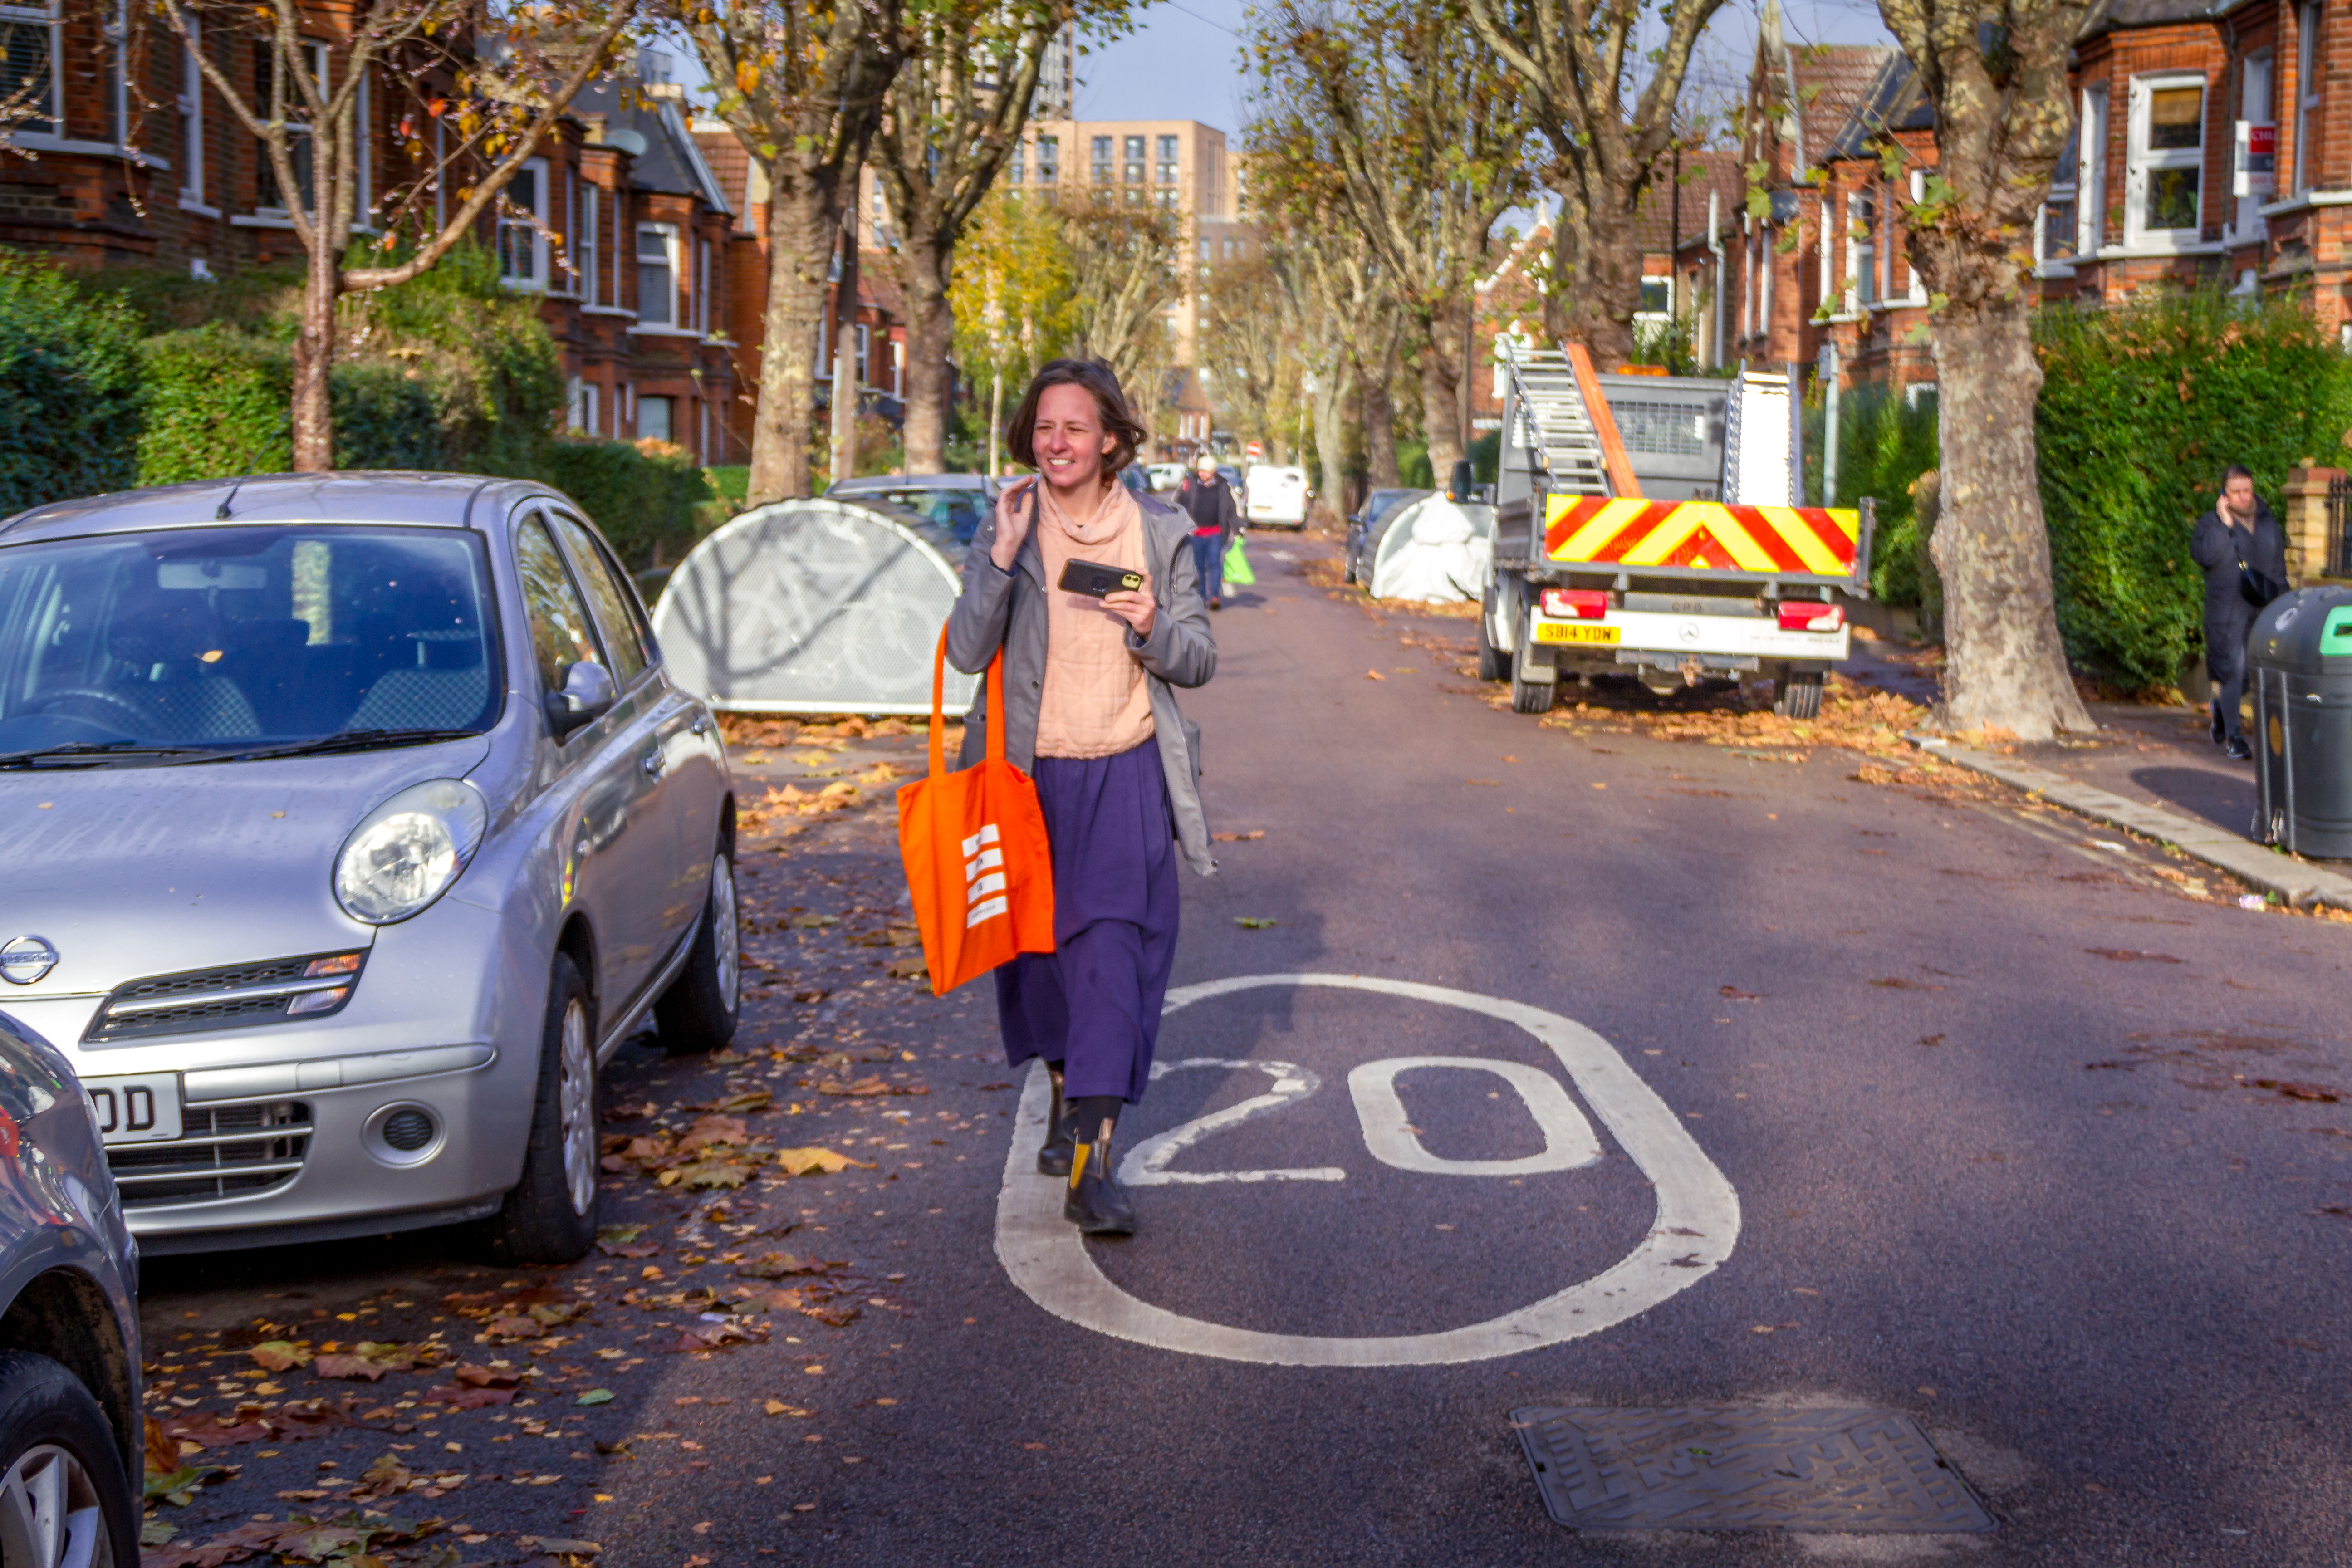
(1210, 501)
(2237, 536)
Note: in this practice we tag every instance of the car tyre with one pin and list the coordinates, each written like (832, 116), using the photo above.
(1494, 664)
(698, 1011)
(550, 1216)
(64, 1499)
(1530, 696)
(1800, 696)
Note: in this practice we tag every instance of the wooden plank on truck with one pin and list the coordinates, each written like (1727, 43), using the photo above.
(1614, 460)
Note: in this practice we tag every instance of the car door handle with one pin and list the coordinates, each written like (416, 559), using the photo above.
(652, 763)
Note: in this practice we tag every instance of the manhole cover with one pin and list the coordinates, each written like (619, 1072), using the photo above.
(1842, 1471)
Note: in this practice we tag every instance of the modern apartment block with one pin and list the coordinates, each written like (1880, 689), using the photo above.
(1179, 166)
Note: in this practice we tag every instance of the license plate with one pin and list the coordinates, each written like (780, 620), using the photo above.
(136, 1109)
(1575, 631)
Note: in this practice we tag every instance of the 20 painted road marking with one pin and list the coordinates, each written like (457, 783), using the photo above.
(1694, 1230)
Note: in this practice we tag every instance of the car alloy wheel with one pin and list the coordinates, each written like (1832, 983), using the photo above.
(49, 1513)
(726, 938)
(575, 1099)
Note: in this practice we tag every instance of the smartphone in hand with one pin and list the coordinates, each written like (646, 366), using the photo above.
(1096, 581)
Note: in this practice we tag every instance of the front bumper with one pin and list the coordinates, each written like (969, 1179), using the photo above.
(1651, 631)
(412, 1105)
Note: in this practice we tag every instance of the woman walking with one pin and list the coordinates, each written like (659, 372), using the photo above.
(1090, 714)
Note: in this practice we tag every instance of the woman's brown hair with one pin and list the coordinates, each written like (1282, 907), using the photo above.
(1126, 431)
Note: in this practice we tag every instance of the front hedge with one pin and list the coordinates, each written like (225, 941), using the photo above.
(642, 495)
(69, 388)
(2142, 407)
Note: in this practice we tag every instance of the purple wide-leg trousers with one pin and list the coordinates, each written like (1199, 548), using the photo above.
(1093, 1005)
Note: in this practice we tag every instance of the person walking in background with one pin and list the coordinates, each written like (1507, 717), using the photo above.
(2242, 550)
(1090, 714)
(1210, 501)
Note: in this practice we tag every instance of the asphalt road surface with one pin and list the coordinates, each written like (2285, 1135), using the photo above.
(1965, 1110)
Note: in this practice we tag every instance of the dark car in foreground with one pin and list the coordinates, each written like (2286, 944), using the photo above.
(1370, 521)
(70, 1425)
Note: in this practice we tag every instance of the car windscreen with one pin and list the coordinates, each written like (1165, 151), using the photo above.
(223, 639)
(957, 510)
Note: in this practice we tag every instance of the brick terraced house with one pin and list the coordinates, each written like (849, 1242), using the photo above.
(123, 155)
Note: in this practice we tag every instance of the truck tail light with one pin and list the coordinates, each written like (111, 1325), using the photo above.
(1809, 615)
(1575, 603)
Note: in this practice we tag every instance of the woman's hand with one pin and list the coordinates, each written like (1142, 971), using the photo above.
(1134, 607)
(1011, 525)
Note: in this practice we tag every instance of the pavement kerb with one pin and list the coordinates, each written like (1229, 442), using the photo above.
(2298, 883)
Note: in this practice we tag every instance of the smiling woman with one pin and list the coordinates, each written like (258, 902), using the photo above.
(229, 638)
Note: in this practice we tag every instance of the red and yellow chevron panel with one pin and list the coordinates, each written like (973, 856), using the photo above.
(1623, 531)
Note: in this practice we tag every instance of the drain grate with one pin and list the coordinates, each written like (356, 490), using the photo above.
(1701, 1468)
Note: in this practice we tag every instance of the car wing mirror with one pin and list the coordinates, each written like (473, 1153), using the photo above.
(587, 696)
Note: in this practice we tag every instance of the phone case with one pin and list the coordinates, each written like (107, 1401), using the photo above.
(1096, 580)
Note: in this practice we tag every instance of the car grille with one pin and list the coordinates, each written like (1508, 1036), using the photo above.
(236, 997)
(226, 1152)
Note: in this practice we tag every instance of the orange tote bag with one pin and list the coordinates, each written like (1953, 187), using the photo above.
(978, 862)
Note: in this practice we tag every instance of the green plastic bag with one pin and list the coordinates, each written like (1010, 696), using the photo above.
(1237, 567)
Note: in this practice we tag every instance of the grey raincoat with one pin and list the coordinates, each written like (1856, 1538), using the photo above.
(1007, 609)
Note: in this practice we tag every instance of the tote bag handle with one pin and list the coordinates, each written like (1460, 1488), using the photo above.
(993, 679)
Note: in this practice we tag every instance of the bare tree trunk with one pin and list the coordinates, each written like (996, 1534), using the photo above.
(314, 364)
(1380, 426)
(1597, 279)
(1440, 393)
(923, 273)
(1329, 408)
(801, 227)
(2005, 664)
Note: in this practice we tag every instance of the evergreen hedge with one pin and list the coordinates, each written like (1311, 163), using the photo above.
(2142, 407)
(69, 386)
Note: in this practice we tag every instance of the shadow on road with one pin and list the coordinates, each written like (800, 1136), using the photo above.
(2222, 799)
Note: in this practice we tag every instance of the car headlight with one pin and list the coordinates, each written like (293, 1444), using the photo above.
(407, 852)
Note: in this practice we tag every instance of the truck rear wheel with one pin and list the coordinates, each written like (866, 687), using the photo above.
(1494, 664)
(1530, 694)
(1801, 695)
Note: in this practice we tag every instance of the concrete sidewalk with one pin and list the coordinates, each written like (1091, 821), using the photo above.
(2155, 772)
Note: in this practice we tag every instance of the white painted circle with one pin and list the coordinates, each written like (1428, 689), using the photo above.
(1693, 1232)
(1570, 1142)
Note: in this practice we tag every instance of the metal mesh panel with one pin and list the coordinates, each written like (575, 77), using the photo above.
(810, 606)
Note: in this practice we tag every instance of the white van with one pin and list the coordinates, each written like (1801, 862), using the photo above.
(1276, 497)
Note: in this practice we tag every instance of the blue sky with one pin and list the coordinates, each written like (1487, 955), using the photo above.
(1182, 62)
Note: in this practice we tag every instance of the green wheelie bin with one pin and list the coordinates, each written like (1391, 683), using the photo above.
(2299, 663)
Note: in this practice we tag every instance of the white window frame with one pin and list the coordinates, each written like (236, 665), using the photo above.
(579, 405)
(2066, 186)
(668, 400)
(2309, 19)
(321, 69)
(860, 367)
(1861, 250)
(534, 230)
(2091, 173)
(668, 233)
(585, 246)
(46, 17)
(2253, 107)
(2145, 161)
(702, 287)
(897, 368)
(1914, 291)
(192, 120)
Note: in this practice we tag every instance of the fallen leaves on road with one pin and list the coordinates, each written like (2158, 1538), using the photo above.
(1897, 983)
(280, 1355)
(800, 1162)
(1736, 995)
(1256, 833)
(1374, 675)
(369, 1359)
(1253, 922)
(2129, 955)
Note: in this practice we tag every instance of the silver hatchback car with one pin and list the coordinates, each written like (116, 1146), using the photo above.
(349, 822)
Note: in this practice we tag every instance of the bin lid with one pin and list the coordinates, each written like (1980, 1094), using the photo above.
(2305, 632)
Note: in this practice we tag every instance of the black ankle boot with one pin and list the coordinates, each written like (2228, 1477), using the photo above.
(1061, 1137)
(1094, 1203)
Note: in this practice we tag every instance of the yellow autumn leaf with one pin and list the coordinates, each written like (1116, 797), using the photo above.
(747, 79)
(800, 1162)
